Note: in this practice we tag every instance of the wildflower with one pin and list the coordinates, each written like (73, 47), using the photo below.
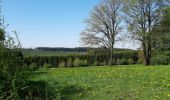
(168, 95)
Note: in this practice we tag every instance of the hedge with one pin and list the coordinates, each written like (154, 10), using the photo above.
(89, 60)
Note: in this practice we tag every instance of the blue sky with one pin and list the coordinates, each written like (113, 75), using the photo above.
(55, 23)
(49, 23)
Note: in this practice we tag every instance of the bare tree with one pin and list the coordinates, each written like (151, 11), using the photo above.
(141, 17)
(103, 26)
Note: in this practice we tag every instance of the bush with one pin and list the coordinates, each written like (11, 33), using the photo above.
(70, 62)
(31, 90)
(140, 61)
(47, 66)
(130, 61)
(122, 61)
(96, 63)
(79, 63)
(33, 66)
(25, 66)
(160, 60)
(85, 63)
(62, 65)
(104, 63)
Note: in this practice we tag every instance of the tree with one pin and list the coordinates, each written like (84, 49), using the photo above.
(141, 17)
(163, 32)
(103, 26)
(2, 37)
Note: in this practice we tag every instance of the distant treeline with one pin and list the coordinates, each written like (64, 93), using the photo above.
(76, 49)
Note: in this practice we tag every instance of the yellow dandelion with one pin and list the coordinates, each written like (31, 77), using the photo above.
(168, 95)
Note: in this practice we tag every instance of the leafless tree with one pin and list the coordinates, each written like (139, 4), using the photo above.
(103, 26)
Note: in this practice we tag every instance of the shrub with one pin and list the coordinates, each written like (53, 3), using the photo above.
(33, 66)
(96, 63)
(70, 62)
(130, 61)
(122, 61)
(104, 63)
(140, 61)
(62, 64)
(25, 66)
(31, 90)
(78, 63)
(85, 63)
(160, 60)
(47, 66)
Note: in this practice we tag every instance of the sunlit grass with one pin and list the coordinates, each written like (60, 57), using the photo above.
(109, 83)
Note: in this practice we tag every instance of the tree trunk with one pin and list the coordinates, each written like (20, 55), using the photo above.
(147, 56)
(111, 58)
(147, 60)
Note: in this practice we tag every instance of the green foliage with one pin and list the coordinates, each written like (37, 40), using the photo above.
(33, 66)
(140, 56)
(104, 63)
(160, 60)
(85, 63)
(34, 90)
(10, 61)
(2, 35)
(80, 63)
(47, 66)
(62, 64)
(122, 61)
(10, 68)
(77, 62)
(89, 59)
(25, 66)
(140, 61)
(70, 63)
(25, 89)
(163, 32)
(132, 57)
(30, 53)
(96, 63)
(130, 61)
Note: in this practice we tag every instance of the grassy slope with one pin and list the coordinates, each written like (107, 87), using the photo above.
(109, 83)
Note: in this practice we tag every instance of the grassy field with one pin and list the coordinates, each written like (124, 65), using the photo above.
(108, 83)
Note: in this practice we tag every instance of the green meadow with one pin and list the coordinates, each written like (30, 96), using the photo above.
(132, 82)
